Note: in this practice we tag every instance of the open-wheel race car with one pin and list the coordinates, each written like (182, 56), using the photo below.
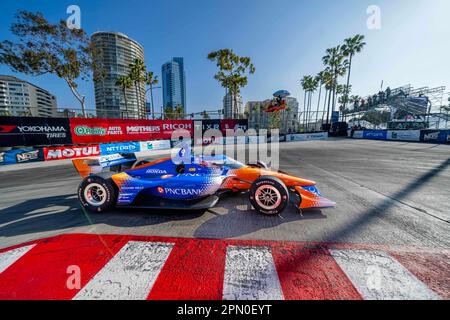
(198, 185)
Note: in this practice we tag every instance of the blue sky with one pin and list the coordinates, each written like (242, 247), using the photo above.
(285, 39)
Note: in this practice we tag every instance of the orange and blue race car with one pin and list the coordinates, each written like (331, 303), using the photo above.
(198, 185)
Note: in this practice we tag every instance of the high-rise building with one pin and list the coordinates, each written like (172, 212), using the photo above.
(116, 52)
(174, 84)
(21, 98)
(232, 109)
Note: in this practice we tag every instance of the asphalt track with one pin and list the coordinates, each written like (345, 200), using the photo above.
(387, 193)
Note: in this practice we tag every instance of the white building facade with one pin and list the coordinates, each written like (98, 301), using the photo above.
(23, 99)
(232, 110)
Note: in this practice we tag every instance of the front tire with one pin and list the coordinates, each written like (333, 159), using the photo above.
(97, 194)
(269, 195)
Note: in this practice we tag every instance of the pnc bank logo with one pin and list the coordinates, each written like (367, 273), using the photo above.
(182, 192)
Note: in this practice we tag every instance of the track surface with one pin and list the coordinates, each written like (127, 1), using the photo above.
(388, 193)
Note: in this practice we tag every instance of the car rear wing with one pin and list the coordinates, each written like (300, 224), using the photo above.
(115, 162)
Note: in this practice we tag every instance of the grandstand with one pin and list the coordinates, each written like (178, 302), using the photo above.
(408, 107)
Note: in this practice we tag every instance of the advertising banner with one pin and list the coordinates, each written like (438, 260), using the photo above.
(430, 135)
(445, 136)
(208, 124)
(404, 135)
(121, 130)
(119, 147)
(335, 116)
(71, 152)
(30, 131)
(357, 134)
(375, 134)
(307, 136)
(155, 145)
(21, 156)
(256, 139)
(232, 124)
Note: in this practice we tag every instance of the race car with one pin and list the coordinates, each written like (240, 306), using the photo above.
(198, 185)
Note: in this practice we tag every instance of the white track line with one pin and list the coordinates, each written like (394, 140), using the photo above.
(250, 274)
(130, 274)
(9, 257)
(378, 276)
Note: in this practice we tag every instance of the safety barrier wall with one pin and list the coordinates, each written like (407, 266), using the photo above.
(52, 153)
(430, 136)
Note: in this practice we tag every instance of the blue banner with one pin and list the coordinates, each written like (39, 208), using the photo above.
(375, 134)
(335, 116)
(21, 156)
(444, 136)
(120, 147)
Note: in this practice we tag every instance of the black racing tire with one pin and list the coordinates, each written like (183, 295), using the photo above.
(269, 195)
(97, 194)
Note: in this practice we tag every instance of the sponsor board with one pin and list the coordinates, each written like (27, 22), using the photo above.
(444, 136)
(430, 135)
(255, 139)
(205, 141)
(123, 130)
(281, 138)
(231, 124)
(307, 136)
(209, 124)
(335, 116)
(120, 147)
(71, 152)
(154, 145)
(21, 156)
(30, 131)
(375, 134)
(404, 135)
(358, 134)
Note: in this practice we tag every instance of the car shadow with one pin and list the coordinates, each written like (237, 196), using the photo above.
(234, 217)
(64, 212)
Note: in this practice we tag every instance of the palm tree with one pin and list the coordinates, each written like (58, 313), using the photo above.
(329, 82)
(310, 85)
(337, 64)
(232, 71)
(320, 77)
(137, 75)
(125, 83)
(151, 80)
(313, 84)
(352, 46)
(304, 84)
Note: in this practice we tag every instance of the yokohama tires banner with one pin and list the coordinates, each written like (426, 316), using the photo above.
(32, 131)
(59, 153)
(121, 130)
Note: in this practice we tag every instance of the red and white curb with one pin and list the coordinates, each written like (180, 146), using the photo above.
(134, 267)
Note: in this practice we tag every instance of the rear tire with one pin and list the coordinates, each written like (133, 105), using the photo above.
(97, 194)
(269, 195)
